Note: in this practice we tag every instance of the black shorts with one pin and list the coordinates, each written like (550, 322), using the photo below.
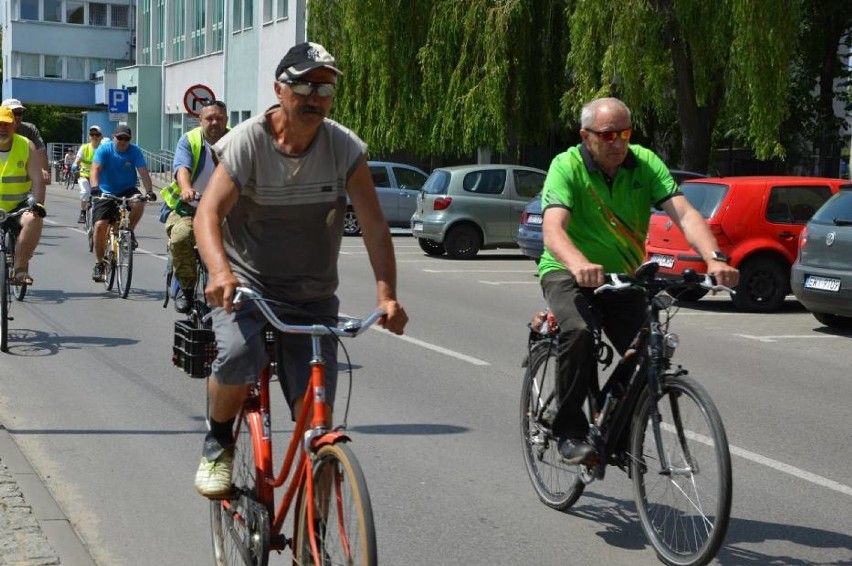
(107, 209)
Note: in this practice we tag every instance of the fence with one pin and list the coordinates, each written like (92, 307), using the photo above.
(159, 163)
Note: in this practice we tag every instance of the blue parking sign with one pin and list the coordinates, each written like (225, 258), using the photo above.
(118, 102)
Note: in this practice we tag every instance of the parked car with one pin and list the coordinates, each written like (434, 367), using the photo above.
(397, 186)
(464, 209)
(756, 221)
(529, 237)
(821, 278)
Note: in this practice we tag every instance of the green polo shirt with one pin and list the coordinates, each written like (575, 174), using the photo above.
(609, 218)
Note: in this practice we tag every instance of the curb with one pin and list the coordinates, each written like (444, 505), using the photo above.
(53, 523)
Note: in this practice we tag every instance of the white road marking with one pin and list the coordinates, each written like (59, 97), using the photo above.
(531, 282)
(439, 349)
(770, 463)
(768, 339)
(478, 271)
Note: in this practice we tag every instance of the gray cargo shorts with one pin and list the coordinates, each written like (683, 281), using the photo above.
(242, 353)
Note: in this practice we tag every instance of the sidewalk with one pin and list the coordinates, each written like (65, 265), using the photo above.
(33, 529)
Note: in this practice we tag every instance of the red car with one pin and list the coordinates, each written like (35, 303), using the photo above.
(756, 221)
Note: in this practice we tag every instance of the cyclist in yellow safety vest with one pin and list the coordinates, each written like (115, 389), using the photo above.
(193, 165)
(83, 163)
(20, 175)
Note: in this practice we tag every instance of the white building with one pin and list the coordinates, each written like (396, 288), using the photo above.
(72, 52)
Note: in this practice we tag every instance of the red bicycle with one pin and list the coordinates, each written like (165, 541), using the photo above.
(333, 523)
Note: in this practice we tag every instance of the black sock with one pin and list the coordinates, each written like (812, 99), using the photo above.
(222, 432)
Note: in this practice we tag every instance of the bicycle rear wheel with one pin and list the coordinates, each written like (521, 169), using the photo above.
(684, 510)
(343, 527)
(5, 299)
(557, 484)
(110, 259)
(124, 262)
(241, 532)
(18, 290)
(89, 227)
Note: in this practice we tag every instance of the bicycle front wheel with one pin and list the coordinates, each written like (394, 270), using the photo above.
(241, 531)
(124, 262)
(110, 260)
(342, 528)
(90, 238)
(5, 299)
(18, 290)
(683, 495)
(557, 484)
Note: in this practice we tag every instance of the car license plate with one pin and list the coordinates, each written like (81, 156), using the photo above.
(822, 283)
(663, 260)
(534, 219)
(418, 227)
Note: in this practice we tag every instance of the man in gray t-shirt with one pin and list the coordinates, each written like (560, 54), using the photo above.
(29, 131)
(272, 219)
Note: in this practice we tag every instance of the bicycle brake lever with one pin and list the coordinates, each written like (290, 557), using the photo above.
(616, 284)
(709, 282)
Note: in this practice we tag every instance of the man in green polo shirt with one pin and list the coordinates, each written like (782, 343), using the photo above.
(596, 205)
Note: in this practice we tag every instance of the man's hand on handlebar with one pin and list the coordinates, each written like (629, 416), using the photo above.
(725, 274)
(395, 319)
(588, 274)
(220, 290)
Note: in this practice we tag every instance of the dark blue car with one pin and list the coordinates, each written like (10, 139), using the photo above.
(529, 237)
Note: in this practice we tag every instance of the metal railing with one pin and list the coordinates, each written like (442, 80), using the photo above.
(159, 163)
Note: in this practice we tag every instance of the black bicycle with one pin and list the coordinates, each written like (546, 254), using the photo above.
(650, 419)
(9, 287)
(199, 310)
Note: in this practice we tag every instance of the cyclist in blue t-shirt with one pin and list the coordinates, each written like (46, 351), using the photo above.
(114, 169)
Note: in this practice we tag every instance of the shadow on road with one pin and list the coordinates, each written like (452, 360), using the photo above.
(409, 429)
(37, 343)
(621, 529)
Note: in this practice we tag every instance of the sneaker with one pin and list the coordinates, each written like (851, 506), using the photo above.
(98, 272)
(183, 304)
(213, 478)
(82, 219)
(575, 452)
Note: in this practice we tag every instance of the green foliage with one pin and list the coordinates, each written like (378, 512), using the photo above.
(442, 76)
(57, 124)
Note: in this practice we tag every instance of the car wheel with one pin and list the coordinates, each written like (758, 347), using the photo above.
(431, 247)
(764, 284)
(462, 242)
(834, 321)
(350, 223)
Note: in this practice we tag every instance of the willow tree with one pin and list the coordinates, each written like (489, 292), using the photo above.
(443, 76)
(686, 62)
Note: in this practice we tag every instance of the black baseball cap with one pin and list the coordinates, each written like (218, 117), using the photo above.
(303, 58)
(122, 130)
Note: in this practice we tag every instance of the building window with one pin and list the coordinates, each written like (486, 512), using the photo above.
(96, 65)
(97, 14)
(282, 9)
(75, 68)
(160, 32)
(248, 13)
(75, 12)
(235, 118)
(120, 16)
(52, 67)
(199, 27)
(30, 65)
(267, 11)
(53, 10)
(29, 9)
(144, 34)
(179, 30)
(218, 24)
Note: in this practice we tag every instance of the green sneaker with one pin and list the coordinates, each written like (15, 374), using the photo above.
(213, 478)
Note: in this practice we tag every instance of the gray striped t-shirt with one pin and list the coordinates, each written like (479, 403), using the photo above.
(283, 235)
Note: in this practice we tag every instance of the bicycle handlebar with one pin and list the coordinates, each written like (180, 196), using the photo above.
(350, 327)
(4, 216)
(619, 281)
(134, 198)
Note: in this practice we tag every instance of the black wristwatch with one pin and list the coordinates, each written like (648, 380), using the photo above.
(719, 256)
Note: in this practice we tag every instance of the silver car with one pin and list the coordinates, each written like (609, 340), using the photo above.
(821, 278)
(464, 209)
(397, 186)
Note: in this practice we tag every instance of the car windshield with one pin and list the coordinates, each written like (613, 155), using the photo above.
(705, 197)
(836, 210)
(437, 183)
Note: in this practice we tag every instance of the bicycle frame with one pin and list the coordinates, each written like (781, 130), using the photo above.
(312, 429)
